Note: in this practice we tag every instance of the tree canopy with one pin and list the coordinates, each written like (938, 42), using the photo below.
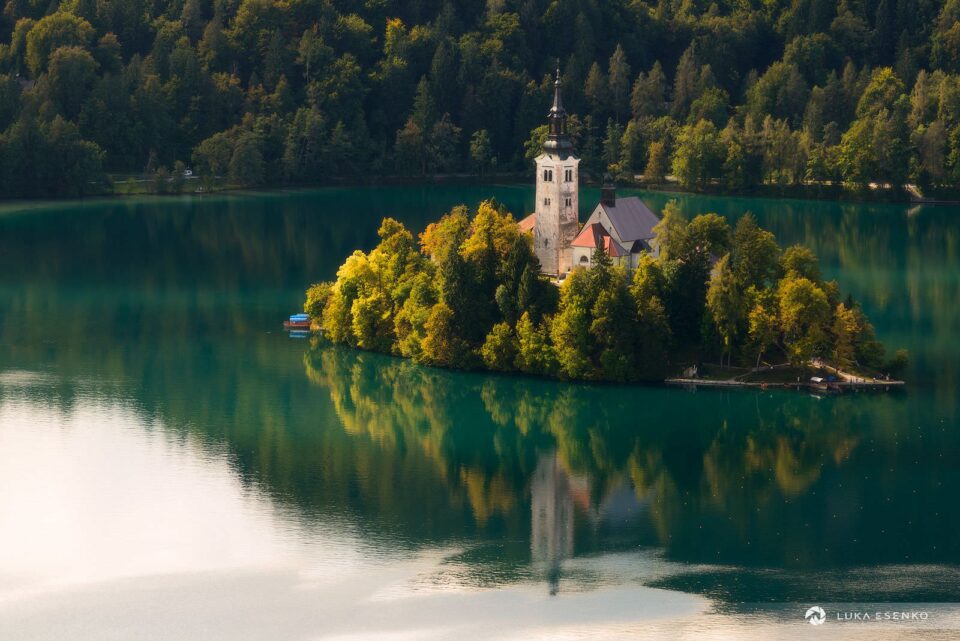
(724, 93)
(470, 296)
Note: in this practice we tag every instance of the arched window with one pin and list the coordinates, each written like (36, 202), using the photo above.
(584, 259)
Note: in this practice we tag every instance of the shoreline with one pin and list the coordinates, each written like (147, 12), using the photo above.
(834, 386)
(822, 193)
(863, 384)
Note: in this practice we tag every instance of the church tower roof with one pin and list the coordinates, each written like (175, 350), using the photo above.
(558, 140)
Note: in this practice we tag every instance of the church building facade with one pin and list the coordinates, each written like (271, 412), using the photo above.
(622, 228)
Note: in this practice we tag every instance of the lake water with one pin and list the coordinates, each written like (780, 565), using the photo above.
(173, 466)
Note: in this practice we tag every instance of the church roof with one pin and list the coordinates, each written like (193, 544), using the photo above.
(594, 236)
(631, 219)
(528, 223)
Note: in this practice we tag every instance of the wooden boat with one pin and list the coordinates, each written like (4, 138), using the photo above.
(299, 322)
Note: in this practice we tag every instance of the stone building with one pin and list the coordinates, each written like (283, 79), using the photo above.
(622, 227)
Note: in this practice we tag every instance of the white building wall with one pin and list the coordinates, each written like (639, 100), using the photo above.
(582, 257)
(557, 207)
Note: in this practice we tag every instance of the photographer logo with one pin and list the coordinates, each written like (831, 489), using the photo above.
(815, 615)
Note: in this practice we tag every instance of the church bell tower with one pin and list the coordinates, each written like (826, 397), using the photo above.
(558, 187)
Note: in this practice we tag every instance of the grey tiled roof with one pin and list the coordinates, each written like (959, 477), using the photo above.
(631, 218)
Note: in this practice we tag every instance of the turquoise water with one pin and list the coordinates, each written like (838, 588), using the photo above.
(170, 459)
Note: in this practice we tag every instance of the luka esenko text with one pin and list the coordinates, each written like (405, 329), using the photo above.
(627, 296)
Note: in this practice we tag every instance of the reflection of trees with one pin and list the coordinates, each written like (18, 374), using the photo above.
(398, 405)
(735, 477)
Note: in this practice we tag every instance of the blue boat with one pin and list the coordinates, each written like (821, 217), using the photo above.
(298, 321)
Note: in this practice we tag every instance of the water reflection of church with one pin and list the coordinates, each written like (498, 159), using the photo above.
(556, 495)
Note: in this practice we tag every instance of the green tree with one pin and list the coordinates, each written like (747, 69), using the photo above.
(480, 151)
(441, 345)
(411, 149)
(212, 156)
(372, 324)
(612, 147)
(317, 296)
(698, 156)
(726, 305)
(595, 90)
(613, 331)
(764, 329)
(71, 75)
(60, 29)
(707, 234)
(246, 163)
(876, 146)
(799, 261)
(444, 145)
(804, 317)
(712, 104)
(656, 169)
(670, 234)
(570, 329)
(619, 83)
(844, 331)
(647, 98)
(780, 92)
(500, 348)
(536, 354)
(754, 255)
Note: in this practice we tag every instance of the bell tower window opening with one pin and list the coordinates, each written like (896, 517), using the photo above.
(546, 201)
(548, 175)
(568, 176)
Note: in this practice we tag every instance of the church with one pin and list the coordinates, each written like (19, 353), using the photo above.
(620, 227)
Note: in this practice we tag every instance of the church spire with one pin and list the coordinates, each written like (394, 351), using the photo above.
(558, 142)
(557, 109)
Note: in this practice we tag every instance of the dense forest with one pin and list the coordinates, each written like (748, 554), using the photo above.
(470, 296)
(722, 94)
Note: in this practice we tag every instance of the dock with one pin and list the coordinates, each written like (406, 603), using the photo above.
(836, 386)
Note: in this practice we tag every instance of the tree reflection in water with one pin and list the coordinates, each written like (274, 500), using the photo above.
(780, 481)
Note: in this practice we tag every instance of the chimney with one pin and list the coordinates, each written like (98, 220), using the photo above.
(608, 192)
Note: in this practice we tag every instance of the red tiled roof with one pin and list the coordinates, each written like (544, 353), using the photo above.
(596, 236)
(528, 223)
(613, 248)
(589, 236)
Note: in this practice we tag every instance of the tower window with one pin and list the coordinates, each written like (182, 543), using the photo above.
(568, 176)
(568, 202)
(548, 175)
(546, 201)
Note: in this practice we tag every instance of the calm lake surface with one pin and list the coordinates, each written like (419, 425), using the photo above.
(173, 466)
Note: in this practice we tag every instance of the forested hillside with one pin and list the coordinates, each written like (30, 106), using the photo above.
(728, 94)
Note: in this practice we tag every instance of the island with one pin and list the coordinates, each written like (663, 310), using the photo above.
(469, 294)
(627, 296)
